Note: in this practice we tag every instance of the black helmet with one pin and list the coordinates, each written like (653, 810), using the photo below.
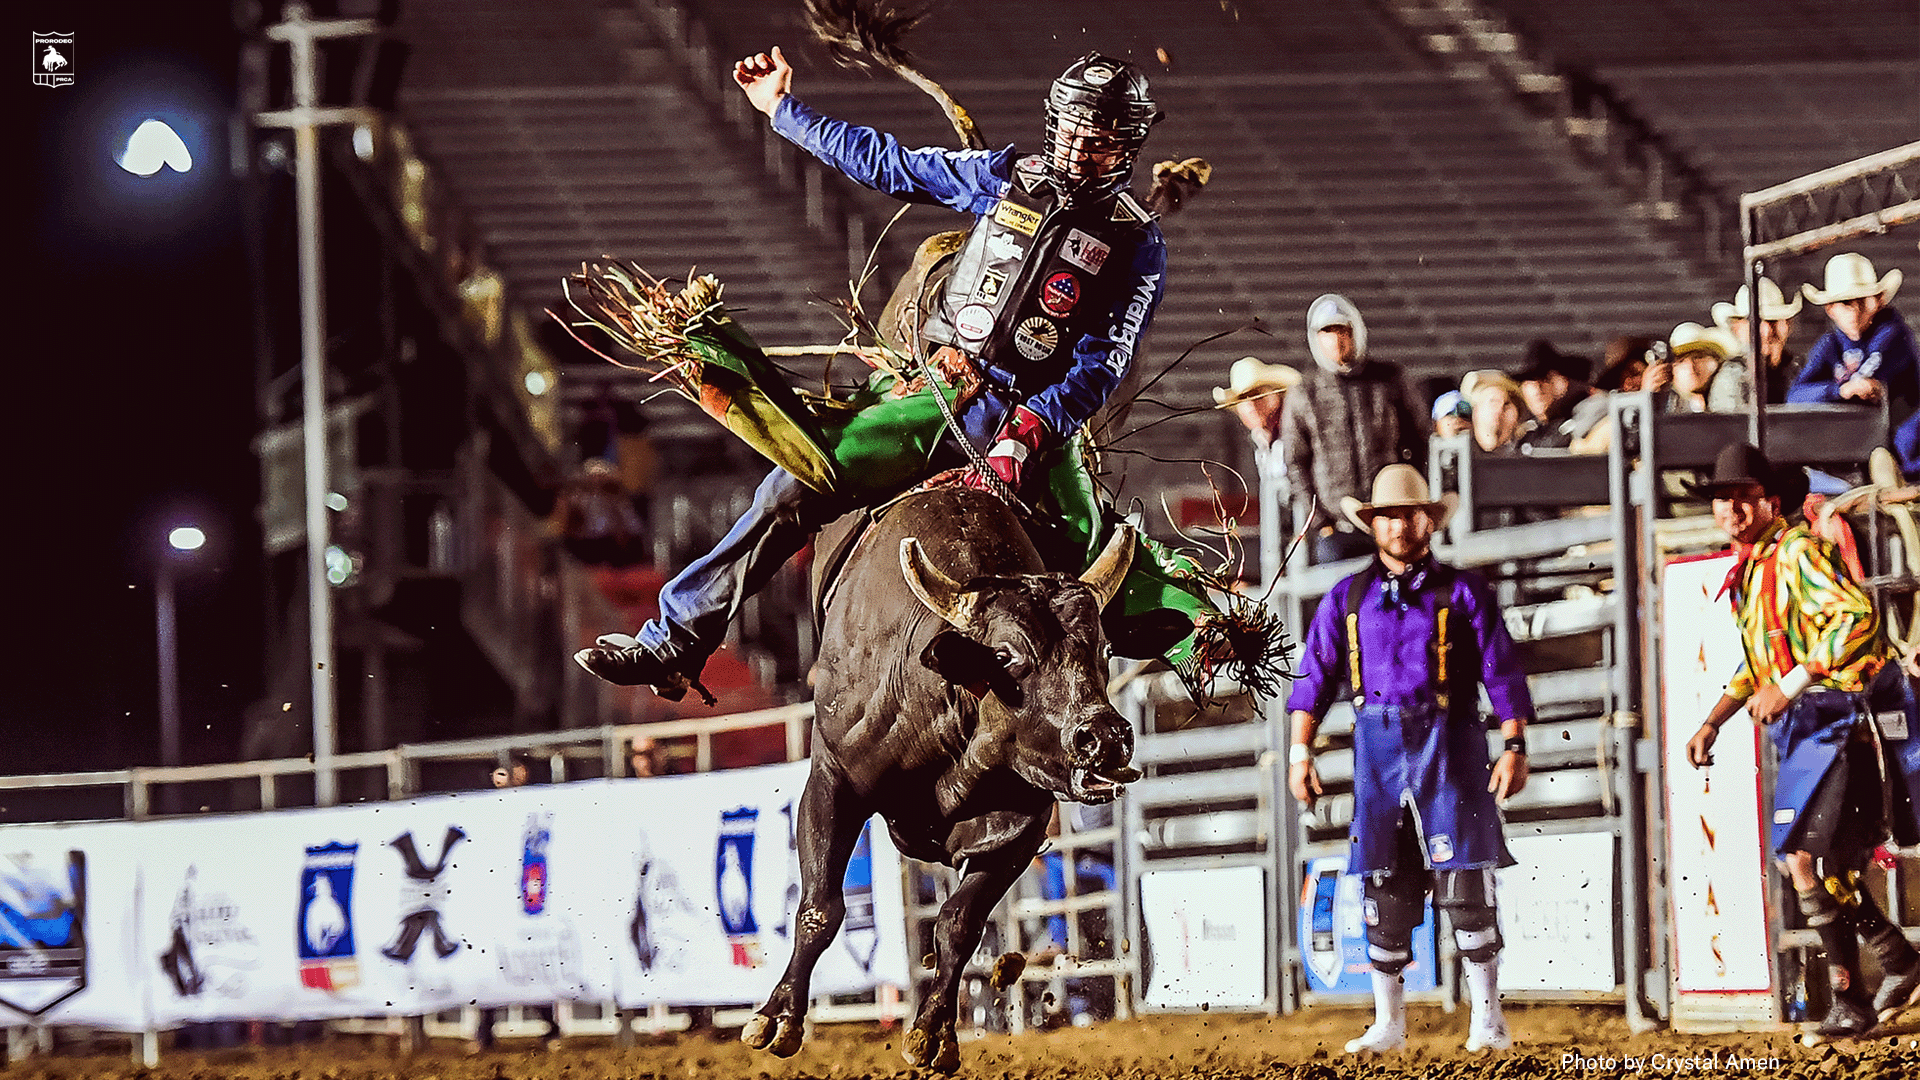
(1098, 115)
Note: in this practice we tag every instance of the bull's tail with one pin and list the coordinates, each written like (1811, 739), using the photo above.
(860, 34)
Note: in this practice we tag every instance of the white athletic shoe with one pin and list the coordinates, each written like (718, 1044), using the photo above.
(1379, 1039)
(1489, 1036)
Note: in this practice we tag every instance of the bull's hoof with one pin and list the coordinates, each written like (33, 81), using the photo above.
(1006, 969)
(778, 1035)
(936, 1050)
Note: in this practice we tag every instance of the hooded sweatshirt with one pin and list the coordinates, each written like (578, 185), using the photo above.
(1342, 425)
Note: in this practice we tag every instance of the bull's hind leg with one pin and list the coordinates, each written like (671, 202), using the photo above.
(827, 829)
(931, 1044)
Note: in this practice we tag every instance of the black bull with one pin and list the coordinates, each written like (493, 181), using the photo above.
(961, 692)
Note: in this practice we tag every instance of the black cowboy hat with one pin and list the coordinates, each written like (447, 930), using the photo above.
(1622, 353)
(1742, 463)
(1542, 359)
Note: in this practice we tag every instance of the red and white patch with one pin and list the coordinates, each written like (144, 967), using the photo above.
(1060, 293)
(1084, 251)
(973, 322)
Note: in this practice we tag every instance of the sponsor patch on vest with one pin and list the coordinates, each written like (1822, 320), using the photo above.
(1442, 848)
(1004, 248)
(1084, 251)
(1036, 338)
(1015, 216)
(973, 322)
(1783, 816)
(988, 291)
(1060, 293)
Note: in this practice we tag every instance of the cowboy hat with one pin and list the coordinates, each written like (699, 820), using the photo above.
(1622, 353)
(1543, 360)
(1692, 337)
(1850, 277)
(1399, 486)
(1741, 463)
(1475, 381)
(1251, 377)
(1773, 305)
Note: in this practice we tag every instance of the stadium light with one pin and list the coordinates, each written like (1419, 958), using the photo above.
(181, 541)
(153, 146)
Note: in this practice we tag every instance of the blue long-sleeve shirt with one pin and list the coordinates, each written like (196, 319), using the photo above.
(1886, 355)
(974, 182)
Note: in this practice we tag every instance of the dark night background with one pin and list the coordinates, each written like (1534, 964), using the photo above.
(131, 396)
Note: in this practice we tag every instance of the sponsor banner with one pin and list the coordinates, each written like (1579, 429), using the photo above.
(1333, 933)
(69, 928)
(680, 890)
(1207, 932)
(711, 888)
(1717, 864)
(1556, 913)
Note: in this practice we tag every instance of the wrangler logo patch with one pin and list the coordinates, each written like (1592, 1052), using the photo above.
(1017, 217)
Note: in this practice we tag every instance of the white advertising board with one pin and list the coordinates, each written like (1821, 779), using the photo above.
(1716, 861)
(1557, 914)
(1207, 930)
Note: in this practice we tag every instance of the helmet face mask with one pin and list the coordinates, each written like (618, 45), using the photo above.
(1098, 116)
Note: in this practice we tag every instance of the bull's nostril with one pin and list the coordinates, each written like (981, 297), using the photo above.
(1086, 744)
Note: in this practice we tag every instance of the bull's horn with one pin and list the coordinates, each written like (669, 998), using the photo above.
(1107, 571)
(942, 595)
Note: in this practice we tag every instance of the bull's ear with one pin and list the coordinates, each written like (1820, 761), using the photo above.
(961, 660)
(1148, 635)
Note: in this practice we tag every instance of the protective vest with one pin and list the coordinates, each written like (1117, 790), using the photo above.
(1032, 277)
(1454, 680)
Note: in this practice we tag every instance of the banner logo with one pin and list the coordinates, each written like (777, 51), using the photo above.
(860, 931)
(43, 932)
(733, 884)
(421, 898)
(533, 863)
(327, 959)
(53, 59)
(211, 947)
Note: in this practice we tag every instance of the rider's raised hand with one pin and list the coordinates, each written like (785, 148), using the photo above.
(766, 78)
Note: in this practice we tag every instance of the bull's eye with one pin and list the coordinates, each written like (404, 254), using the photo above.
(1015, 664)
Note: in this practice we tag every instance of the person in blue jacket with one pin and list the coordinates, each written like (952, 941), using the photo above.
(1867, 354)
(1034, 328)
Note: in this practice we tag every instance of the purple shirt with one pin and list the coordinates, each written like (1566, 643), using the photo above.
(1396, 647)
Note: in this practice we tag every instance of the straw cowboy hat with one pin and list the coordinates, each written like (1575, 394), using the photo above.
(1773, 305)
(1250, 377)
(1475, 381)
(1850, 277)
(1399, 486)
(1692, 337)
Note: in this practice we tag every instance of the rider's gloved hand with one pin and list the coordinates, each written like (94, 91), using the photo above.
(1019, 437)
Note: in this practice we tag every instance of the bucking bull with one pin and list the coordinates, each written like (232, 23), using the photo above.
(962, 689)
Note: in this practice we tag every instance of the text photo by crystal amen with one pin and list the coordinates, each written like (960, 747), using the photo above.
(1668, 1062)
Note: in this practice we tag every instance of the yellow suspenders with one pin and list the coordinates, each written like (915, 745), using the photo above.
(1442, 646)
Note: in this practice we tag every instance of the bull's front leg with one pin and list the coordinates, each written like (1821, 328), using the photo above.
(828, 828)
(932, 1044)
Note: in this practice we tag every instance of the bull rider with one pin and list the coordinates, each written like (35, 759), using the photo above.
(1411, 641)
(1035, 327)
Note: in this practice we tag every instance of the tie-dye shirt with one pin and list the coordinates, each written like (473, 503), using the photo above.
(1826, 619)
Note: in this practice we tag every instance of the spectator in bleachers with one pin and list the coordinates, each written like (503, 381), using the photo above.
(1497, 409)
(1349, 417)
(1868, 354)
(644, 757)
(1452, 415)
(1552, 384)
(597, 519)
(1699, 364)
(1735, 393)
(1256, 391)
(1630, 366)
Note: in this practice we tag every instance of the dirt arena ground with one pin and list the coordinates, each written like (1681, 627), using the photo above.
(1570, 1042)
